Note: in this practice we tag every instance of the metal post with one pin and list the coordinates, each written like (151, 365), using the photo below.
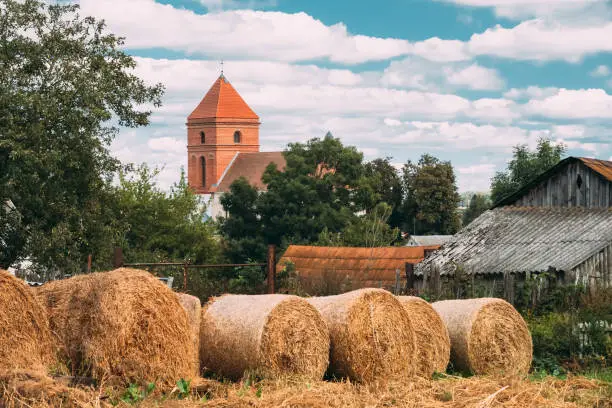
(271, 265)
(118, 258)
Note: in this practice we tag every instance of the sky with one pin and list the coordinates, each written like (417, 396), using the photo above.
(464, 80)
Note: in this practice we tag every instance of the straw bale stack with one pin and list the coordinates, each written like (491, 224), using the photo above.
(488, 336)
(371, 335)
(193, 307)
(432, 339)
(123, 326)
(270, 334)
(25, 339)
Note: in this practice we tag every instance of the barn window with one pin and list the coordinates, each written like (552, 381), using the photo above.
(579, 181)
(202, 137)
(237, 136)
(203, 165)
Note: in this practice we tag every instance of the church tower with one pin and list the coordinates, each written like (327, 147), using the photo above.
(221, 126)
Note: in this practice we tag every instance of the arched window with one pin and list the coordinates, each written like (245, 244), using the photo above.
(203, 165)
(202, 137)
(237, 136)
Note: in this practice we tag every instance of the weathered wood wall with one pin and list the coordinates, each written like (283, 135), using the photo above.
(564, 190)
(595, 271)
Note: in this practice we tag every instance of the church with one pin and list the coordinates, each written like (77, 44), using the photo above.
(223, 145)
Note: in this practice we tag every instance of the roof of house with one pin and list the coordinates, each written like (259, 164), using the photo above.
(525, 239)
(602, 167)
(250, 166)
(223, 101)
(367, 265)
(428, 240)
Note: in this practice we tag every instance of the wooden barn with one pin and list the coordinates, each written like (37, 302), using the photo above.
(329, 270)
(558, 227)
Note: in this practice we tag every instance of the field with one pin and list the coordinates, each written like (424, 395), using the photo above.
(22, 389)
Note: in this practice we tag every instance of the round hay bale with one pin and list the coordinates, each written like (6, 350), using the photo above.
(488, 336)
(432, 340)
(193, 307)
(271, 334)
(371, 335)
(25, 339)
(123, 326)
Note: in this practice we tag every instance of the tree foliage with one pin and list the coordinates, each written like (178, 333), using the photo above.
(479, 203)
(430, 204)
(524, 167)
(384, 185)
(65, 85)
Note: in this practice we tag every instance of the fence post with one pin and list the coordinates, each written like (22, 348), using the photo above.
(409, 268)
(397, 282)
(118, 258)
(185, 266)
(271, 265)
(89, 263)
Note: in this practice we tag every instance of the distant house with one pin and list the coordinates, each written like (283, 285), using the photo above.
(559, 224)
(327, 270)
(428, 240)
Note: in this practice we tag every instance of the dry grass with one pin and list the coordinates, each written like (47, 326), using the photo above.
(19, 390)
(124, 326)
(432, 340)
(193, 307)
(371, 335)
(25, 339)
(271, 334)
(488, 336)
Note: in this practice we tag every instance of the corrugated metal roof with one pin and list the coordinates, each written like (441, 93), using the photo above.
(525, 239)
(428, 240)
(361, 264)
(603, 167)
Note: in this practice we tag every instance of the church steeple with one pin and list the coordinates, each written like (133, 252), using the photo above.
(220, 126)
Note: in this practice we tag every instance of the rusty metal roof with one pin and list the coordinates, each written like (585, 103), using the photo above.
(367, 265)
(525, 239)
(603, 167)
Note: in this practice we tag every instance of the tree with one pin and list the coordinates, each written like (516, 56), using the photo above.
(242, 229)
(524, 167)
(159, 226)
(431, 198)
(316, 190)
(386, 186)
(65, 85)
(479, 203)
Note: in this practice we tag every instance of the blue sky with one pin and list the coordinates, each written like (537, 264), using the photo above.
(465, 80)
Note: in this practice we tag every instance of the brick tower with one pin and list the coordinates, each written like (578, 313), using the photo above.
(221, 126)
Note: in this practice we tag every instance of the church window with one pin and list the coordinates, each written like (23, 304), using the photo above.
(203, 165)
(237, 136)
(202, 137)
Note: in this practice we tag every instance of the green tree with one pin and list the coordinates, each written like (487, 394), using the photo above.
(242, 228)
(479, 203)
(524, 167)
(160, 226)
(316, 190)
(65, 87)
(431, 198)
(385, 184)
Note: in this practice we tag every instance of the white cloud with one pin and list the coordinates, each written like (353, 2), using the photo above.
(418, 73)
(245, 33)
(167, 144)
(573, 104)
(601, 71)
(518, 9)
(215, 5)
(475, 177)
(531, 92)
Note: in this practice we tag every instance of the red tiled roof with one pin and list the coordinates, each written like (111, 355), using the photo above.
(250, 166)
(603, 167)
(223, 101)
(362, 266)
